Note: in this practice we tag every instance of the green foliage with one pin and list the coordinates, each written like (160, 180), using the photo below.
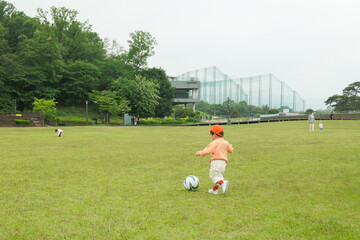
(348, 101)
(54, 55)
(221, 109)
(141, 47)
(168, 121)
(309, 110)
(235, 113)
(109, 102)
(273, 111)
(166, 91)
(181, 111)
(79, 79)
(142, 94)
(22, 122)
(46, 108)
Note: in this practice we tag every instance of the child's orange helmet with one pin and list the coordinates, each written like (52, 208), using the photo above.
(218, 130)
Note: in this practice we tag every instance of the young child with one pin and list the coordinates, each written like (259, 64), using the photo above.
(321, 126)
(218, 148)
(59, 131)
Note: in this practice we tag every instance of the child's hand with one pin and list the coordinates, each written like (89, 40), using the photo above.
(197, 153)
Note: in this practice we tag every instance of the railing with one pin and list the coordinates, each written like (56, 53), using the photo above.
(337, 116)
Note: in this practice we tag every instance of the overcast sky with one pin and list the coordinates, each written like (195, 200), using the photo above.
(311, 45)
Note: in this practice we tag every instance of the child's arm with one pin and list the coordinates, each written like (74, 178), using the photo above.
(206, 150)
(230, 148)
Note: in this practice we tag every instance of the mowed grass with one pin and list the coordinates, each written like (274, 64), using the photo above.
(126, 183)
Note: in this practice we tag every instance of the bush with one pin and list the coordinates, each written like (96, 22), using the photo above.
(22, 122)
(273, 111)
(46, 108)
(167, 121)
(235, 114)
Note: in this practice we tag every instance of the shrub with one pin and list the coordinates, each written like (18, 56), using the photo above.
(273, 111)
(22, 122)
(46, 108)
(167, 121)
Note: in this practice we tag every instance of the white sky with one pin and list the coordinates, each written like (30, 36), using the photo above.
(311, 45)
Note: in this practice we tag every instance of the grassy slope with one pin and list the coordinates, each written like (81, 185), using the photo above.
(126, 183)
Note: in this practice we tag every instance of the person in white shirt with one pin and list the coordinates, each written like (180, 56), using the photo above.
(59, 132)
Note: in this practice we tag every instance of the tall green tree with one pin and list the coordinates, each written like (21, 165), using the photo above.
(78, 80)
(75, 38)
(348, 101)
(141, 47)
(166, 91)
(112, 69)
(109, 102)
(142, 94)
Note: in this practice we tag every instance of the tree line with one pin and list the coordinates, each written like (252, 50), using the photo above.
(233, 109)
(55, 56)
(348, 101)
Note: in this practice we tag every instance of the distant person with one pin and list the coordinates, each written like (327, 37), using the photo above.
(321, 126)
(311, 120)
(59, 132)
(331, 116)
(138, 121)
(218, 149)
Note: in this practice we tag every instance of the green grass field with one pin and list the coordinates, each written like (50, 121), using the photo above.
(126, 183)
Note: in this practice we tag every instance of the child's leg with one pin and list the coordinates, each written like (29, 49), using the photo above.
(217, 169)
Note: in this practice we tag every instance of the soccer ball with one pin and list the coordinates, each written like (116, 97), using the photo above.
(191, 183)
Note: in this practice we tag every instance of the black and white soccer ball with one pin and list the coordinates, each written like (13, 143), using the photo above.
(191, 183)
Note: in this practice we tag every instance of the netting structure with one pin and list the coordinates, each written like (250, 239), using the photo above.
(261, 90)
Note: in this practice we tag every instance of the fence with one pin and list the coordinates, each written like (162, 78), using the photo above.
(260, 90)
(337, 116)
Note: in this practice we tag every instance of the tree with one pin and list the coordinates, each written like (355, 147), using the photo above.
(75, 38)
(46, 108)
(141, 47)
(235, 114)
(112, 69)
(166, 91)
(349, 100)
(109, 102)
(352, 92)
(142, 94)
(6, 10)
(309, 110)
(78, 80)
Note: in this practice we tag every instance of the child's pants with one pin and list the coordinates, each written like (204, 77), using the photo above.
(217, 169)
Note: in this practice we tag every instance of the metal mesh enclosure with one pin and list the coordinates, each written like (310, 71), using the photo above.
(261, 90)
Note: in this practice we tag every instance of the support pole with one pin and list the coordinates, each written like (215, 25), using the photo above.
(87, 112)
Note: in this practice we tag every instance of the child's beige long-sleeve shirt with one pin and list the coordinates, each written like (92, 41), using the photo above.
(218, 149)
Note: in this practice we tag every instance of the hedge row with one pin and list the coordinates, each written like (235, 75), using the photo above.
(168, 121)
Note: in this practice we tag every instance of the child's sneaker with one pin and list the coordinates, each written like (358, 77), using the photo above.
(225, 186)
(213, 192)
